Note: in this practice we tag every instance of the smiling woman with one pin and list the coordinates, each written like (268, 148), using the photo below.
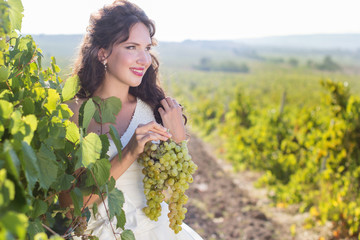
(116, 61)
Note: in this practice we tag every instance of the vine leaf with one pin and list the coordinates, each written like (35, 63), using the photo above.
(127, 235)
(108, 109)
(47, 165)
(16, 223)
(72, 133)
(106, 144)
(63, 182)
(90, 149)
(34, 228)
(15, 13)
(121, 220)
(71, 87)
(116, 139)
(86, 113)
(77, 199)
(52, 100)
(12, 162)
(4, 73)
(101, 171)
(39, 207)
(6, 108)
(30, 164)
(115, 202)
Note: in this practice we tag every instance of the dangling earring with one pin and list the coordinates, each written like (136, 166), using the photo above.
(105, 66)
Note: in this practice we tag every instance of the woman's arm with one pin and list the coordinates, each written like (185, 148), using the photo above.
(144, 133)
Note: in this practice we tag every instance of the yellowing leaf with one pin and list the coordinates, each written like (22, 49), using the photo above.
(71, 87)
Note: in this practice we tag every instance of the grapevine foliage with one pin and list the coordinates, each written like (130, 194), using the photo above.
(41, 149)
(310, 154)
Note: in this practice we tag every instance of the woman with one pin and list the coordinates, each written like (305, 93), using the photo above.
(116, 60)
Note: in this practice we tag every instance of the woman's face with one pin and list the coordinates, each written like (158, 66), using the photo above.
(129, 60)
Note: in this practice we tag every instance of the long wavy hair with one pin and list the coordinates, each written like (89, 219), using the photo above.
(108, 27)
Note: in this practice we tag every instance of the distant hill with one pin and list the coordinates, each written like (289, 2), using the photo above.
(188, 53)
(315, 41)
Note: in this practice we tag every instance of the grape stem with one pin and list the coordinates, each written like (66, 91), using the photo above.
(49, 229)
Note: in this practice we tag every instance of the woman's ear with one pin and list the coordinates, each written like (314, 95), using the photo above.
(102, 55)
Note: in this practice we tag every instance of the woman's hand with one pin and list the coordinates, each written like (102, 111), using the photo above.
(171, 115)
(151, 131)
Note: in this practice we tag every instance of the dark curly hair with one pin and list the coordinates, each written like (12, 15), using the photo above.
(108, 27)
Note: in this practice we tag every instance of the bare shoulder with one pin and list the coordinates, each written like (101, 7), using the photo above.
(75, 105)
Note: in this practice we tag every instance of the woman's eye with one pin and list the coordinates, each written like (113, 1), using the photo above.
(130, 47)
(148, 48)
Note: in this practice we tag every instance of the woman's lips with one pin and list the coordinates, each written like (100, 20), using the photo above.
(138, 71)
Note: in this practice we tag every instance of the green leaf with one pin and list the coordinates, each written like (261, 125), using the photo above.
(16, 223)
(41, 236)
(121, 220)
(39, 208)
(31, 121)
(101, 171)
(111, 184)
(127, 235)
(89, 110)
(71, 87)
(63, 182)
(30, 165)
(77, 199)
(6, 109)
(47, 165)
(115, 202)
(7, 189)
(28, 106)
(90, 148)
(52, 100)
(34, 228)
(64, 112)
(72, 133)
(105, 145)
(108, 109)
(116, 139)
(12, 163)
(95, 209)
(15, 13)
(4, 73)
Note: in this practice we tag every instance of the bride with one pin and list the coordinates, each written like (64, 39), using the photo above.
(116, 60)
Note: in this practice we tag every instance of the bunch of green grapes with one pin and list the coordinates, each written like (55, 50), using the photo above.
(81, 226)
(167, 166)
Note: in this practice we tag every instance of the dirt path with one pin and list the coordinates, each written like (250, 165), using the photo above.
(225, 206)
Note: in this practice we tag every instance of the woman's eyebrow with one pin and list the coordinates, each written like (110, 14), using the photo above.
(137, 44)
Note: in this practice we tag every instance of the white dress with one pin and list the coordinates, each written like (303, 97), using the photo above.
(131, 184)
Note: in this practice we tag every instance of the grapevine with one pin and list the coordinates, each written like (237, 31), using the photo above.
(167, 166)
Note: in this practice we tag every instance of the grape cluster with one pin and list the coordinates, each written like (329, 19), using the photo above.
(81, 226)
(167, 166)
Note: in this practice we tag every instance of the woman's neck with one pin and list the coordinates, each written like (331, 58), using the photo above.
(114, 89)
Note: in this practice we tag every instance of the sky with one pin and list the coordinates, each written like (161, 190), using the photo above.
(179, 20)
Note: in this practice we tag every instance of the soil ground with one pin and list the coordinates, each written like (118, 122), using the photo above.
(224, 205)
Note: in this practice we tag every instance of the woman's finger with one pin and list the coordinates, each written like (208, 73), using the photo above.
(170, 102)
(165, 104)
(176, 104)
(151, 136)
(154, 127)
(161, 111)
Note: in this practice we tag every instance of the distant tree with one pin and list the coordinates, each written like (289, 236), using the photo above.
(205, 64)
(310, 63)
(230, 66)
(293, 62)
(328, 65)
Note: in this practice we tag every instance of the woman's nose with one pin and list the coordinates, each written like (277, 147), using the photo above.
(144, 58)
